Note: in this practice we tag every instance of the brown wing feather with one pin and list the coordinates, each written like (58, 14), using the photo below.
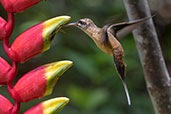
(124, 28)
(118, 56)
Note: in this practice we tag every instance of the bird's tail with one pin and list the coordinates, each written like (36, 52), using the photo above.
(121, 72)
(126, 91)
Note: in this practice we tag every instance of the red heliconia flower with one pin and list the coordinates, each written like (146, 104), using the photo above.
(4, 69)
(5, 105)
(18, 5)
(37, 39)
(52, 106)
(2, 28)
(40, 81)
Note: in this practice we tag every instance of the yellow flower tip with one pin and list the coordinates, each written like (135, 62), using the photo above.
(54, 24)
(53, 72)
(51, 27)
(60, 20)
(65, 63)
(58, 68)
(53, 106)
(64, 18)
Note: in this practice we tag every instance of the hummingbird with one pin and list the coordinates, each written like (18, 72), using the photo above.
(106, 38)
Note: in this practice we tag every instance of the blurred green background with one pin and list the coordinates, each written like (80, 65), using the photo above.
(92, 83)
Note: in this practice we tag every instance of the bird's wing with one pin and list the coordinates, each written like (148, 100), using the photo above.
(118, 57)
(118, 54)
(122, 29)
(104, 34)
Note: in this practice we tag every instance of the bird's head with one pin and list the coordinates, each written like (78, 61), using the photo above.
(83, 24)
(86, 25)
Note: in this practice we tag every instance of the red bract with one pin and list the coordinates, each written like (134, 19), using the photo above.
(6, 105)
(37, 39)
(39, 82)
(52, 106)
(18, 5)
(4, 69)
(2, 28)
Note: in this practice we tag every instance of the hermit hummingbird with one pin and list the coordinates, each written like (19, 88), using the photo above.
(106, 38)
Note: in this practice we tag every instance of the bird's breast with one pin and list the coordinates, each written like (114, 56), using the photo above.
(96, 35)
(105, 48)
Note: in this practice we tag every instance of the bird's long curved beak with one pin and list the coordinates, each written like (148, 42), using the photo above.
(71, 24)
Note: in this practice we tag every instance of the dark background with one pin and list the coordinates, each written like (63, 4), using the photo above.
(92, 83)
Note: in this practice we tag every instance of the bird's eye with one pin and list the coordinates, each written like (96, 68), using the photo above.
(82, 23)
